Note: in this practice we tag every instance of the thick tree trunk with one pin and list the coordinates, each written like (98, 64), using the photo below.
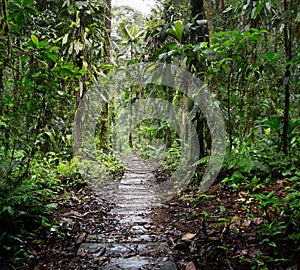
(198, 13)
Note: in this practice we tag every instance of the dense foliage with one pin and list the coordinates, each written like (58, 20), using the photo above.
(51, 52)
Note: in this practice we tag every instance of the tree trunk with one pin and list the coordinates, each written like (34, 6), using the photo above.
(79, 60)
(288, 53)
(209, 19)
(6, 28)
(251, 97)
(198, 13)
(104, 114)
(230, 125)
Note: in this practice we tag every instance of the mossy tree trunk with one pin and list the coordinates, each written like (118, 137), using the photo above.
(104, 121)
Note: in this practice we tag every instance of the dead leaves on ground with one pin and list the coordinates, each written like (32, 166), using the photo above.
(218, 229)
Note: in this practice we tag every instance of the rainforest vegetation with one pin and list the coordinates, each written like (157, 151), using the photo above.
(246, 52)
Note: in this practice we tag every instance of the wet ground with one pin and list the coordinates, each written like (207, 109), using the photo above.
(110, 227)
(123, 225)
(131, 241)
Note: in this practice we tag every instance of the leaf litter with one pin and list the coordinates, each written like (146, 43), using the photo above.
(216, 230)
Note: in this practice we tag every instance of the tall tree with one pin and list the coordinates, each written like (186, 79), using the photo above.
(288, 26)
(209, 19)
(104, 121)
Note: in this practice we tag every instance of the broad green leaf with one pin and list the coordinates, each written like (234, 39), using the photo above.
(14, 7)
(54, 48)
(246, 165)
(179, 27)
(27, 81)
(286, 173)
(53, 56)
(83, 72)
(125, 32)
(8, 248)
(270, 55)
(235, 32)
(2, 125)
(223, 33)
(42, 43)
(32, 10)
(64, 73)
(176, 31)
(55, 68)
(169, 46)
(31, 44)
(35, 40)
(68, 66)
(20, 20)
(274, 123)
(25, 58)
(75, 69)
(27, 2)
(279, 55)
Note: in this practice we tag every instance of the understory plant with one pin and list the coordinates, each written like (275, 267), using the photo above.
(26, 204)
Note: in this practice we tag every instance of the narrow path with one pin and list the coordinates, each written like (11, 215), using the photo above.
(130, 241)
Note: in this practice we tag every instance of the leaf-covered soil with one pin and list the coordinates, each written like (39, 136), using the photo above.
(220, 229)
(78, 215)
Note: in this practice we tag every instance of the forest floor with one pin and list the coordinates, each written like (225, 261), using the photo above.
(219, 229)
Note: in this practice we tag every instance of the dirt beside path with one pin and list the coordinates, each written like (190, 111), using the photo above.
(123, 225)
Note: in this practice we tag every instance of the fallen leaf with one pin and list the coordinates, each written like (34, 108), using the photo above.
(80, 238)
(258, 220)
(190, 266)
(243, 194)
(188, 236)
(246, 223)
(72, 213)
(235, 224)
(165, 259)
(235, 220)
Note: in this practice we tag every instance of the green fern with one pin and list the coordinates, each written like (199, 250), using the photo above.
(19, 203)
